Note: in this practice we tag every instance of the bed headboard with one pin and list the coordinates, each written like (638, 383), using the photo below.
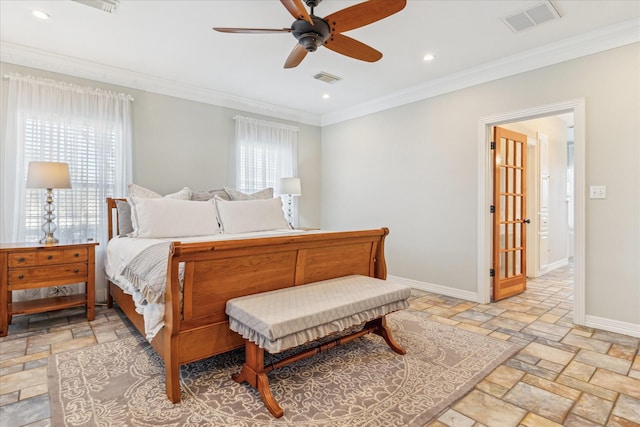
(112, 217)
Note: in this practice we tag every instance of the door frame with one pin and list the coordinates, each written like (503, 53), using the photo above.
(485, 194)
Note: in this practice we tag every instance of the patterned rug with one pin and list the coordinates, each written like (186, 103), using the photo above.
(362, 383)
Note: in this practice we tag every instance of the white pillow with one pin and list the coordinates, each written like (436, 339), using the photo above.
(244, 216)
(266, 193)
(136, 190)
(165, 217)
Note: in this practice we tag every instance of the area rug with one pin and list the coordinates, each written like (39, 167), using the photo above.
(362, 383)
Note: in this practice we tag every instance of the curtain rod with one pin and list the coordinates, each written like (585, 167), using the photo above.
(71, 85)
(267, 123)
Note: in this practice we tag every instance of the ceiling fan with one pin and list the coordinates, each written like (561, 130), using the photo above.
(312, 31)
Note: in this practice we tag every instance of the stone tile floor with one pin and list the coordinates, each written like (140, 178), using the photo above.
(564, 375)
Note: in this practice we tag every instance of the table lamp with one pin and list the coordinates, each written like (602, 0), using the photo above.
(291, 187)
(48, 175)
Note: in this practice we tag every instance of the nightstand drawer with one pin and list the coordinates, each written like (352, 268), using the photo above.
(27, 276)
(22, 259)
(76, 255)
(50, 257)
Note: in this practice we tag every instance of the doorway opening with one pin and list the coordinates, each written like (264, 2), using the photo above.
(574, 238)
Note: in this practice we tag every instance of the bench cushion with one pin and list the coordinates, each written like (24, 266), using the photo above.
(286, 318)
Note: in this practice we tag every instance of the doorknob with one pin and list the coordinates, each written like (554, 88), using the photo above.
(526, 221)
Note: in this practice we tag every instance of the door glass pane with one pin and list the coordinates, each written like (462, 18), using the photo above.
(510, 152)
(502, 266)
(503, 180)
(518, 236)
(503, 236)
(503, 208)
(516, 264)
(502, 151)
(510, 178)
(517, 207)
(518, 183)
(518, 154)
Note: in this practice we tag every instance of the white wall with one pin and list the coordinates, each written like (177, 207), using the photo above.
(413, 168)
(178, 143)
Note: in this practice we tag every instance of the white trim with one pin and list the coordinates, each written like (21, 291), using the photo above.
(554, 265)
(436, 289)
(564, 50)
(49, 61)
(589, 43)
(577, 106)
(610, 325)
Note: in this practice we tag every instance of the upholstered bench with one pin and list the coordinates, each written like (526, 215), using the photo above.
(278, 320)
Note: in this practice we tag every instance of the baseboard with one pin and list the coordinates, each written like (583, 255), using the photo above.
(610, 325)
(437, 289)
(560, 263)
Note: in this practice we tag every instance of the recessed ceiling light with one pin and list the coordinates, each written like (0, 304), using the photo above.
(429, 57)
(40, 14)
(326, 96)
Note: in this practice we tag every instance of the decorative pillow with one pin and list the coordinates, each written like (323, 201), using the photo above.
(184, 194)
(250, 215)
(166, 217)
(204, 195)
(267, 193)
(136, 190)
(125, 226)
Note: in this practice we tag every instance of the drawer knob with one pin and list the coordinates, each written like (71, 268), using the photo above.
(21, 259)
(76, 270)
(50, 257)
(76, 255)
(21, 276)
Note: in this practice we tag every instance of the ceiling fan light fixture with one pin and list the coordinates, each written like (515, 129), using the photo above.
(311, 41)
(429, 57)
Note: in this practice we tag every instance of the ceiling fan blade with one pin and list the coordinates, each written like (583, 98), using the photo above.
(296, 56)
(362, 14)
(252, 30)
(352, 48)
(297, 10)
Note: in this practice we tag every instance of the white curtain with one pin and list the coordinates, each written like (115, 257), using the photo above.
(263, 153)
(88, 128)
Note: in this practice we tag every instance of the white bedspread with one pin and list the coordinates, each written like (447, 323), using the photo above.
(122, 250)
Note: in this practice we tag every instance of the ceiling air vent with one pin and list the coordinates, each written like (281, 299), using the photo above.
(532, 16)
(109, 6)
(326, 77)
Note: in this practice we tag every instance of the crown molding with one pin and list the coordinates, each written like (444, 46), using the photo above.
(605, 38)
(586, 44)
(44, 60)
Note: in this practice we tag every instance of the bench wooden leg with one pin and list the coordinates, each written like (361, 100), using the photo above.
(253, 373)
(381, 329)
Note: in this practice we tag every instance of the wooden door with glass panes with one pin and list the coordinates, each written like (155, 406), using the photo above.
(509, 211)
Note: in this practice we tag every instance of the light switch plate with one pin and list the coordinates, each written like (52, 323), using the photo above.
(598, 192)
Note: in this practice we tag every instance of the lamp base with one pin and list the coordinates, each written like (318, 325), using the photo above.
(49, 239)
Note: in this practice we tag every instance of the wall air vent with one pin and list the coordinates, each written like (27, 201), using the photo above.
(109, 6)
(326, 77)
(532, 16)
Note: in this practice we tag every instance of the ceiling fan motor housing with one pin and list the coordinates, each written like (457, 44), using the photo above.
(311, 36)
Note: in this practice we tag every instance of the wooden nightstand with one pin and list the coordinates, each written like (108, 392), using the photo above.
(32, 265)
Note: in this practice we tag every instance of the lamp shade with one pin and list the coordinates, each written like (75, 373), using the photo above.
(290, 186)
(48, 175)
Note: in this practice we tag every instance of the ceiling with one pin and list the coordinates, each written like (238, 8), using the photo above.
(169, 47)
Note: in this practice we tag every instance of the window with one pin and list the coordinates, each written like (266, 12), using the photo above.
(88, 128)
(264, 152)
(91, 160)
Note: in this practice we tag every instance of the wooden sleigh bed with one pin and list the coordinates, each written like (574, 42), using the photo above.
(195, 323)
